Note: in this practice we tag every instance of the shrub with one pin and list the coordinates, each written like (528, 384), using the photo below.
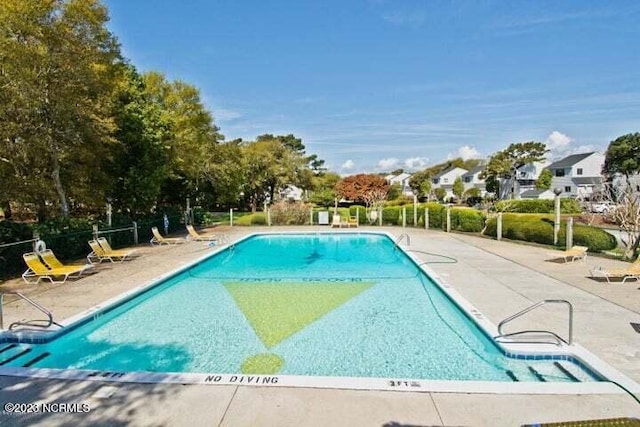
(539, 229)
(390, 215)
(567, 206)
(399, 201)
(258, 218)
(290, 213)
(67, 237)
(467, 220)
(11, 256)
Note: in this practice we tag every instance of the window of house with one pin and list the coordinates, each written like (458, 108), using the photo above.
(435, 180)
(445, 180)
(467, 179)
(523, 174)
(579, 171)
(559, 172)
(567, 189)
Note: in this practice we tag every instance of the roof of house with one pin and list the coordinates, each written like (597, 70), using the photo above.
(569, 161)
(447, 170)
(584, 180)
(532, 194)
(474, 171)
(399, 177)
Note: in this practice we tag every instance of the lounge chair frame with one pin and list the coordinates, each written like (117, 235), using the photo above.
(159, 240)
(36, 268)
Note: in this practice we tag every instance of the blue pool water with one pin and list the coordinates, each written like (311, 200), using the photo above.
(322, 305)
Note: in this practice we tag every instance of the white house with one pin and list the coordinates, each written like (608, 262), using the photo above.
(524, 180)
(578, 174)
(472, 179)
(538, 194)
(291, 192)
(403, 180)
(446, 178)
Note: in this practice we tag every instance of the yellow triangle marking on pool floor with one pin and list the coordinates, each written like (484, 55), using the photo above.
(277, 310)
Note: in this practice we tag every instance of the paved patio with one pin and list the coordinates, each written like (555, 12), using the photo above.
(499, 278)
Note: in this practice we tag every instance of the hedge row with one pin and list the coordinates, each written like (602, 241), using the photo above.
(567, 206)
(539, 229)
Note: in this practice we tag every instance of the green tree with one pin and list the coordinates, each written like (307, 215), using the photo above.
(58, 63)
(139, 166)
(503, 164)
(323, 192)
(395, 191)
(191, 139)
(458, 187)
(440, 193)
(544, 180)
(420, 183)
(623, 156)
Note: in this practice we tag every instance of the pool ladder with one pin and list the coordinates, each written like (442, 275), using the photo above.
(558, 339)
(403, 236)
(33, 323)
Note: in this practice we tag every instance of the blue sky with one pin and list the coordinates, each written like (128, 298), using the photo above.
(372, 85)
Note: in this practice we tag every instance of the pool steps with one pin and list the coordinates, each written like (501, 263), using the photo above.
(540, 376)
(15, 356)
(36, 359)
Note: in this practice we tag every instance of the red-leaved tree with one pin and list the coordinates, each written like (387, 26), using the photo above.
(366, 188)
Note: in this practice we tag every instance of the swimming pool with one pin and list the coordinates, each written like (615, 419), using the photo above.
(312, 305)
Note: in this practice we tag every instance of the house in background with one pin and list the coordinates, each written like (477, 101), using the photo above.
(446, 178)
(403, 180)
(538, 194)
(472, 179)
(291, 193)
(578, 174)
(527, 175)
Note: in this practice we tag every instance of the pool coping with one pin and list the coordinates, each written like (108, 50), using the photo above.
(525, 351)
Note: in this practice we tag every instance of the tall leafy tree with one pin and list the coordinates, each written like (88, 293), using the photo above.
(365, 188)
(458, 188)
(623, 156)
(544, 180)
(192, 136)
(57, 62)
(503, 164)
(139, 167)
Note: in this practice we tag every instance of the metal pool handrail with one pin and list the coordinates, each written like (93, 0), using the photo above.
(403, 236)
(533, 307)
(30, 301)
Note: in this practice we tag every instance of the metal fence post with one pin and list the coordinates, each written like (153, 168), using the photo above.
(95, 232)
(426, 218)
(499, 226)
(570, 232)
(231, 217)
(448, 219)
(415, 214)
(404, 216)
(380, 216)
(135, 232)
(269, 217)
(310, 216)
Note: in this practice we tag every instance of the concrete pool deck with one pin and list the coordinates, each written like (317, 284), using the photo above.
(498, 278)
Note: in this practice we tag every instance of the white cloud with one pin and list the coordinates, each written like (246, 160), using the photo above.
(558, 141)
(562, 145)
(349, 164)
(225, 114)
(388, 163)
(414, 163)
(466, 152)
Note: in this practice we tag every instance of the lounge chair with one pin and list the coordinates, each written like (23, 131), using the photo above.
(39, 270)
(52, 262)
(576, 252)
(158, 239)
(631, 272)
(337, 221)
(101, 251)
(352, 222)
(194, 235)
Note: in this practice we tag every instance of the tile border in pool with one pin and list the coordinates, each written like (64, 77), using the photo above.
(575, 352)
